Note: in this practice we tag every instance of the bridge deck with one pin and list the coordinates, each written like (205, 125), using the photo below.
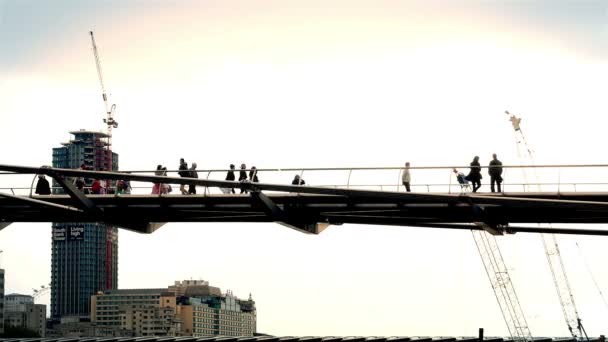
(506, 208)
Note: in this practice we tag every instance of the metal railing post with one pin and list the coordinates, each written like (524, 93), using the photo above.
(350, 172)
(205, 191)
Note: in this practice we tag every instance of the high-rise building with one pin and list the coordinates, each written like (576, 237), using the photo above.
(20, 311)
(1, 301)
(84, 256)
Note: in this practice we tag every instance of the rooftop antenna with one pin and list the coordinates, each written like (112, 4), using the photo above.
(109, 120)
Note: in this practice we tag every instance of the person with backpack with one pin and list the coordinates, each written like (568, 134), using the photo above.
(183, 172)
(495, 172)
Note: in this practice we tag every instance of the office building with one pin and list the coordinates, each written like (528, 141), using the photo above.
(84, 256)
(187, 308)
(20, 311)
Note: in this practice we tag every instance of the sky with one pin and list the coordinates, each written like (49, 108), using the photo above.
(281, 84)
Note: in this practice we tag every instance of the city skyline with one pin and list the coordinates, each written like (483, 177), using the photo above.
(363, 85)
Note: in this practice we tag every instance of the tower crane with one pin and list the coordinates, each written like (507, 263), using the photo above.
(551, 246)
(504, 290)
(110, 109)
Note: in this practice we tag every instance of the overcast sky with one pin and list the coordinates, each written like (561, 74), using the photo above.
(318, 84)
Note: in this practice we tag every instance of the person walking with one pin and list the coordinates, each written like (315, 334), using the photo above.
(193, 174)
(474, 175)
(243, 176)
(165, 188)
(157, 186)
(495, 171)
(297, 180)
(42, 186)
(406, 177)
(183, 172)
(230, 177)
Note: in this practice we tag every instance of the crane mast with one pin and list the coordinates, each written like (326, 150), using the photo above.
(109, 120)
(502, 285)
(550, 244)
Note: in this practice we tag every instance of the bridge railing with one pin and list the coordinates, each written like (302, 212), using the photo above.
(434, 179)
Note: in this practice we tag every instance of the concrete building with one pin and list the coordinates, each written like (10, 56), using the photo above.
(136, 312)
(1, 301)
(84, 256)
(20, 311)
(187, 308)
(17, 302)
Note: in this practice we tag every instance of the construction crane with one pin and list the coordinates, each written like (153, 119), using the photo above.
(504, 290)
(36, 293)
(110, 109)
(554, 258)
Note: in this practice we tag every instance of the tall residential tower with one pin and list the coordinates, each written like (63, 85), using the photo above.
(84, 256)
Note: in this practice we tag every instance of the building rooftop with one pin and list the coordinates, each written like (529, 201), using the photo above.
(84, 131)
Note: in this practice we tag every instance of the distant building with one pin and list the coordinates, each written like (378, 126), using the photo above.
(136, 312)
(20, 311)
(17, 302)
(1, 301)
(187, 308)
(84, 256)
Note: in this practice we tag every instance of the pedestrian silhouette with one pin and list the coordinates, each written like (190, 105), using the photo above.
(230, 177)
(495, 171)
(243, 176)
(475, 174)
(406, 177)
(297, 180)
(183, 172)
(42, 186)
(192, 174)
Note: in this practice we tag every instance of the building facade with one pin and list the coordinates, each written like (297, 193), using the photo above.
(84, 256)
(1, 301)
(187, 308)
(17, 302)
(20, 311)
(136, 312)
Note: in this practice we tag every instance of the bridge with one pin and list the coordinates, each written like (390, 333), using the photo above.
(311, 208)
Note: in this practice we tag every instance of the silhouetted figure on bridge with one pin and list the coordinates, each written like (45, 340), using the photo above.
(183, 172)
(192, 174)
(157, 186)
(243, 176)
(165, 188)
(406, 177)
(495, 171)
(253, 175)
(297, 180)
(475, 174)
(96, 187)
(42, 186)
(230, 177)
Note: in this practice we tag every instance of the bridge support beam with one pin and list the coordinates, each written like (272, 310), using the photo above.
(4, 225)
(482, 220)
(282, 217)
(81, 200)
